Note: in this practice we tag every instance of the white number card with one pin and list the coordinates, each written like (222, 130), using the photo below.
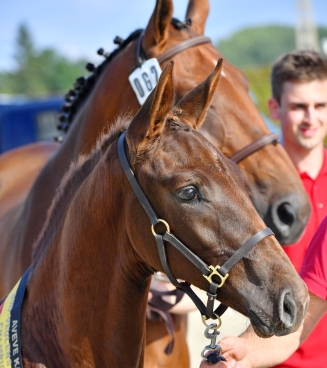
(145, 78)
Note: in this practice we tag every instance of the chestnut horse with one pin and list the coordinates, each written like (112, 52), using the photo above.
(232, 123)
(18, 170)
(88, 283)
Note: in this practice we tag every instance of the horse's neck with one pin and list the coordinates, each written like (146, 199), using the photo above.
(111, 96)
(104, 104)
(86, 296)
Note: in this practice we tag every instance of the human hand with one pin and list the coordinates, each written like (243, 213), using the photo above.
(234, 350)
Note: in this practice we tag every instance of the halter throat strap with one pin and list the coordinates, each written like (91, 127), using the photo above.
(207, 271)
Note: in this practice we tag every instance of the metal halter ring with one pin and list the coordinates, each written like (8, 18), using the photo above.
(218, 322)
(165, 223)
(215, 272)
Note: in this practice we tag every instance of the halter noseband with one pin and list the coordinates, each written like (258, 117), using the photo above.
(207, 271)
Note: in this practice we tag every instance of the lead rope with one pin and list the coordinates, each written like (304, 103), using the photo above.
(207, 271)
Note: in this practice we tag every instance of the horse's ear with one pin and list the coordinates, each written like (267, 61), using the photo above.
(197, 14)
(156, 33)
(192, 108)
(148, 124)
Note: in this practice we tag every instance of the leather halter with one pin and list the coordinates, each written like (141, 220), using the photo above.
(255, 146)
(194, 41)
(207, 271)
(186, 44)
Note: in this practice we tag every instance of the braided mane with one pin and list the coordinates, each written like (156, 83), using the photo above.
(83, 86)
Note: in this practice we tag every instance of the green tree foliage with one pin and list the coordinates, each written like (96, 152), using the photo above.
(259, 46)
(39, 72)
(259, 79)
(322, 32)
(254, 49)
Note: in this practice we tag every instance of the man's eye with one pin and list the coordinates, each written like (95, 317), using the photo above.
(298, 107)
(188, 194)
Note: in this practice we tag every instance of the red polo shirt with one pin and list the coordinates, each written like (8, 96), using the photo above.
(314, 268)
(313, 352)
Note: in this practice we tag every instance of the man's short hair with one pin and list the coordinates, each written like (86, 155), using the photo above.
(297, 66)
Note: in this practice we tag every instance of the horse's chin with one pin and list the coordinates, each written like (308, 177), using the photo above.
(261, 328)
(262, 331)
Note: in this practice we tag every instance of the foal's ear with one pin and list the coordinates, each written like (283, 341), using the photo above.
(148, 124)
(156, 33)
(192, 108)
(197, 14)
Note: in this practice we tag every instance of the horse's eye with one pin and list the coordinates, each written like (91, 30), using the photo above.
(188, 194)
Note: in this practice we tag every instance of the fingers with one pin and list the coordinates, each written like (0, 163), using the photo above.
(233, 347)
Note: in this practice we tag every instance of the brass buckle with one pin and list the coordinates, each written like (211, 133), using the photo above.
(165, 223)
(215, 272)
(205, 318)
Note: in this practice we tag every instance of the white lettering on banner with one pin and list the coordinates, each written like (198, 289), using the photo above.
(145, 78)
(14, 338)
(7, 327)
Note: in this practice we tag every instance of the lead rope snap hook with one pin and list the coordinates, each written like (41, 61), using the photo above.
(214, 350)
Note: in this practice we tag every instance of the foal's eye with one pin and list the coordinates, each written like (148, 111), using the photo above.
(188, 193)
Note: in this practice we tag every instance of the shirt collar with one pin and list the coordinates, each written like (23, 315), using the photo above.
(323, 170)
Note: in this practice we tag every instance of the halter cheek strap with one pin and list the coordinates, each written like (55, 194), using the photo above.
(207, 271)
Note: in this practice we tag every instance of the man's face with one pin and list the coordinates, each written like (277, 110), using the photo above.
(302, 113)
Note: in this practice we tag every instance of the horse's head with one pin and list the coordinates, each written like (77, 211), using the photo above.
(202, 197)
(233, 121)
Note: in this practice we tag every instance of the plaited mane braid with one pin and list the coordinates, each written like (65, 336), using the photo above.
(83, 85)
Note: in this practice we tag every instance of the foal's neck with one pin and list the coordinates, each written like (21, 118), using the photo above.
(96, 114)
(87, 296)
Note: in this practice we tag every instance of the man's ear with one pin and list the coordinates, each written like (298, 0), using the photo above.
(273, 106)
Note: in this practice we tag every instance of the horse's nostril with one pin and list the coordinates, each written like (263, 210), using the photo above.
(287, 310)
(286, 213)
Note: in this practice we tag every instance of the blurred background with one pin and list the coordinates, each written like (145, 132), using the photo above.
(44, 46)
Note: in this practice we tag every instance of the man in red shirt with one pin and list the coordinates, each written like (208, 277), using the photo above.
(299, 102)
(251, 351)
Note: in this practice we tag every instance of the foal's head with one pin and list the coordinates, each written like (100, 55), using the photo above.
(202, 196)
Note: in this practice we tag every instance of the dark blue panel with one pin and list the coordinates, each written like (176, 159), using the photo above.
(28, 122)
